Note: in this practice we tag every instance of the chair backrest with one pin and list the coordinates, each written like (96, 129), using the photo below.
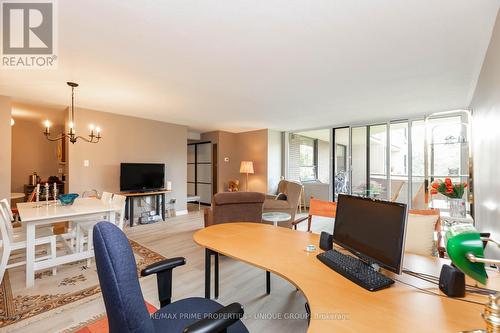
(118, 202)
(106, 196)
(117, 272)
(322, 208)
(4, 233)
(7, 212)
(293, 191)
(90, 194)
(237, 207)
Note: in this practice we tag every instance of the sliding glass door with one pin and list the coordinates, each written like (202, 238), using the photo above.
(398, 160)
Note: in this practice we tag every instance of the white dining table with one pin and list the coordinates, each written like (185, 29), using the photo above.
(35, 214)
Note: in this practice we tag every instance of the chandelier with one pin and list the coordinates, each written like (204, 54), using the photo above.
(95, 132)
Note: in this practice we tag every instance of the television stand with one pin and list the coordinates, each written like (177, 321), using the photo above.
(129, 203)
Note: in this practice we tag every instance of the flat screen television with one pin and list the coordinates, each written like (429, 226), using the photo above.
(142, 176)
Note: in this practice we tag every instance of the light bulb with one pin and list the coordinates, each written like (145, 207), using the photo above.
(12, 122)
(71, 125)
(91, 127)
(98, 129)
(47, 124)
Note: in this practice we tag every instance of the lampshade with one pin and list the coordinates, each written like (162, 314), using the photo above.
(461, 242)
(246, 167)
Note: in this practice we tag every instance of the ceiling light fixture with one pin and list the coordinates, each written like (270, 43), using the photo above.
(95, 132)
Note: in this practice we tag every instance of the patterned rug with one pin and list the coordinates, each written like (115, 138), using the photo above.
(73, 282)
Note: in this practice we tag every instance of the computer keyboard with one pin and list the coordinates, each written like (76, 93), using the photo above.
(355, 270)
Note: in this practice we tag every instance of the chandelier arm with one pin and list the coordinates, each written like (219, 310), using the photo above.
(61, 137)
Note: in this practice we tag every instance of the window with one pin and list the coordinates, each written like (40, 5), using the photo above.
(398, 160)
(308, 159)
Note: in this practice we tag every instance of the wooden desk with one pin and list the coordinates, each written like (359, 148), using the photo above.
(346, 306)
(129, 203)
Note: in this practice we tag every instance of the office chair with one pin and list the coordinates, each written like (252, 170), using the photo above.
(125, 307)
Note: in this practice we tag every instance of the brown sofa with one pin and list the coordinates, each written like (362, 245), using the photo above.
(230, 207)
(292, 190)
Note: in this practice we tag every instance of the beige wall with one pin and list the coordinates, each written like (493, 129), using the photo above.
(31, 152)
(245, 146)
(486, 142)
(252, 146)
(127, 139)
(5, 148)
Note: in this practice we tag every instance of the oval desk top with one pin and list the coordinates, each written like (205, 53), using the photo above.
(337, 304)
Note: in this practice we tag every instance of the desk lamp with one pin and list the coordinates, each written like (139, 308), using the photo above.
(465, 249)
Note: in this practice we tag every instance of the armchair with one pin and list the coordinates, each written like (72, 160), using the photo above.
(235, 207)
(292, 190)
(125, 307)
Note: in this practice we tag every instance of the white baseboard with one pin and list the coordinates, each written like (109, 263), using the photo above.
(181, 212)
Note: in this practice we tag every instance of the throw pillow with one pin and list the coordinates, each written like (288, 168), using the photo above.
(420, 234)
(281, 196)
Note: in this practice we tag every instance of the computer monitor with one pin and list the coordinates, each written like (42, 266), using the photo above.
(373, 230)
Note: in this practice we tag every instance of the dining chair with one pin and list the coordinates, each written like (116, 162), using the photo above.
(317, 208)
(124, 301)
(86, 228)
(17, 241)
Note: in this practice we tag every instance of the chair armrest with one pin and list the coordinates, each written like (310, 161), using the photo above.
(217, 321)
(208, 217)
(163, 270)
(271, 196)
(161, 266)
(299, 220)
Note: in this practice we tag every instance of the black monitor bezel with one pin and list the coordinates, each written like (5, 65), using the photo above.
(366, 257)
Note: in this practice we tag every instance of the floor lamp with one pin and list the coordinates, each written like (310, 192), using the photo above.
(246, 167)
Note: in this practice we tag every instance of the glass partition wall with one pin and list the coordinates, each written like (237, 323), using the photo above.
(398, 160)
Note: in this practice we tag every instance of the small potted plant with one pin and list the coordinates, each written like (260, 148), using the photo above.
(454, 193)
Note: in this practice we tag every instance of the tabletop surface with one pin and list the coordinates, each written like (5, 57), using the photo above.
(276, 216)
(337, 304)
(29, 212)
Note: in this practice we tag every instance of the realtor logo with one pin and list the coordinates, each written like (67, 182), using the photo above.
(28, 34)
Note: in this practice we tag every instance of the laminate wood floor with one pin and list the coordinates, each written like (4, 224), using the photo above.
(239, 282)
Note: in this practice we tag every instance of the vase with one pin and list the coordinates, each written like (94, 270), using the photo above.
(457, 208)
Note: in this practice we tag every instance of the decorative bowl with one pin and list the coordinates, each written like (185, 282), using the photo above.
(67, 199)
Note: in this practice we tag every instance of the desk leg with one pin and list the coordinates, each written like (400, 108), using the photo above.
(268, 282)
(216, 273)
(208, 274)
(30, 255)
(163, 206)
(131, 214)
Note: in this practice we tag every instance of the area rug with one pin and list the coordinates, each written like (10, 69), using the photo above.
(72, 283)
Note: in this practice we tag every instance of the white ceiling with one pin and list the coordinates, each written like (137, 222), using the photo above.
(282, 64)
